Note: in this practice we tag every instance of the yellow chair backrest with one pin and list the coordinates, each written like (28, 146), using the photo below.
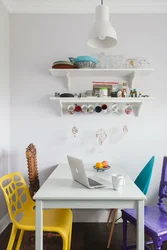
(16, 195)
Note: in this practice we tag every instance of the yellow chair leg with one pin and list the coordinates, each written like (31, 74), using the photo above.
(108, 221)
(20, 240)
(65, 243)
(12, 238)
(69, 239)
(112, 227)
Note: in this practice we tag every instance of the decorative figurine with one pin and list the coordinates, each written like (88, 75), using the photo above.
(124, 90)
(134, 93)
(74, 131)
(140, 94)
(131, 93)
(101, 135)
(125, 129)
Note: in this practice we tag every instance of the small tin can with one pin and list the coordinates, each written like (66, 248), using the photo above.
(103, 92)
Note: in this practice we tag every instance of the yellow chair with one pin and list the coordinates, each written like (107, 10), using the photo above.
(22, 213)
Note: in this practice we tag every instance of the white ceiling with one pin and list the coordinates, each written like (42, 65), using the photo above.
(85, 6)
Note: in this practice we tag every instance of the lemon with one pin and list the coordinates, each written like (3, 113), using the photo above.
(99, 165)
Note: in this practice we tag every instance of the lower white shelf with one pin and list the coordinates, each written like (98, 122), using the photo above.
(100, 99)
(135, 102)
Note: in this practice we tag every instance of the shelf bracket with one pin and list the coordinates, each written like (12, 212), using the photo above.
(136, 108)
(131, 79)
(61, 108)
(68, 80)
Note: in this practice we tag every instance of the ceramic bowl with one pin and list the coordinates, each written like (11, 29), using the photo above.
(86, 59)
(85, 65)
(84, 62)
(66, 95)
(63, 65)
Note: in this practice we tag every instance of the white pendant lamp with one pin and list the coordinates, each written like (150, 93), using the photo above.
(103, 34)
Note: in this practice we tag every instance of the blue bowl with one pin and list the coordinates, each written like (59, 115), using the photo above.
(83, 59)
(86, 59)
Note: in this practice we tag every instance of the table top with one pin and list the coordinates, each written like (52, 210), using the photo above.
(61, 186)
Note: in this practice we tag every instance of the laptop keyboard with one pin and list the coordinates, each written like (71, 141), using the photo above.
(93, 183)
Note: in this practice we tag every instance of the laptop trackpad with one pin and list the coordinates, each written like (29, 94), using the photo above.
(100, 181)
(93, 183)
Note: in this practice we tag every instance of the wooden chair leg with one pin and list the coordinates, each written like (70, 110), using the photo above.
(152, 247)
(12, 238)
(112, 227)
(109, 217)
(31, 238)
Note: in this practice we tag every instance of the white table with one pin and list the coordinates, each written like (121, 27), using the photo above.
(61, 191)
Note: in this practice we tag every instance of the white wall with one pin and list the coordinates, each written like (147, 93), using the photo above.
(4, 101)
(39, 40)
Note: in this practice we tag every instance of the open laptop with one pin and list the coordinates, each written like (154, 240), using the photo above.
(79, 175)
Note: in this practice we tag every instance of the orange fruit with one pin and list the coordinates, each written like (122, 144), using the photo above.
(99, 165)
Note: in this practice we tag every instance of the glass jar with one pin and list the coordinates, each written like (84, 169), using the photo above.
(117, 61)
(114, 91)
(103, 92)
(131, 63)
(104, 62)
(143, 63)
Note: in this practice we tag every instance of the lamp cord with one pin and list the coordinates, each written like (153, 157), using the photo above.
(101, 2)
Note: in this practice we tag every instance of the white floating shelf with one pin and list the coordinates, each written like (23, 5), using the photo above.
(101, 100)
(136, 102)
(100, 72)
(128, 74)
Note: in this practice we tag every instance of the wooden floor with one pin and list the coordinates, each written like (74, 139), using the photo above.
(86, 236)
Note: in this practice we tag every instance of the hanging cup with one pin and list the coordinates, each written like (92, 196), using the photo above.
(77, 108)
(91, 108)
(84, 108)
(115, 108)
(104, 108)
(71, 109)
(98, 109)
(128, 109)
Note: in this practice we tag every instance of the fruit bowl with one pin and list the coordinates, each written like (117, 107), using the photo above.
(101, 169)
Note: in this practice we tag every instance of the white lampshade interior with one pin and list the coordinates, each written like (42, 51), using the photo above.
(103, 34)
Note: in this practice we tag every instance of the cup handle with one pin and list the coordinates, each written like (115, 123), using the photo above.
(123, 181)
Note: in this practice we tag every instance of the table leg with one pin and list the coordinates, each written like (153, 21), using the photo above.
(140, 225)
(39, 226)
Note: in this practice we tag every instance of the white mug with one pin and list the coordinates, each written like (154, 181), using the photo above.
(84, 108)
(128, 109)
(115, 108)
(71, 108)
(91, 108)
(118, 181)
